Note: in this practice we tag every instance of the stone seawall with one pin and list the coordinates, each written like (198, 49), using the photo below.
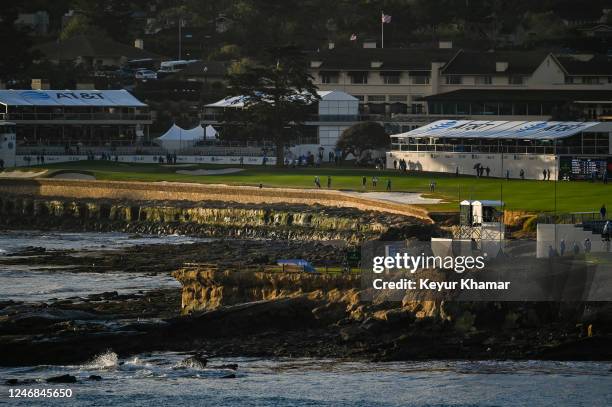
(204, 219)
(166, 191)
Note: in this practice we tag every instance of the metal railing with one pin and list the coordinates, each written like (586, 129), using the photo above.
(489, 149)
(75, 116)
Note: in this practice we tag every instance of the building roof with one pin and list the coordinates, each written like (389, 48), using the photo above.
(238, 101)
(392, 59)
(521, 95)
(497, 129)
(586, 65)
(95, 47)
(215, 69)
(111, 98)
(485, 63)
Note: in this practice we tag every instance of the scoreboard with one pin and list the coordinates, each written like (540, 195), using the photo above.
(584, 168)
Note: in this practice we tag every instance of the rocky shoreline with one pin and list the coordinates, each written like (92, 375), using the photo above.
(232, 308)
(215, 219)
(235, 301)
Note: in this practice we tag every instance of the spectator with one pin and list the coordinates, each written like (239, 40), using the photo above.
(317, 181)
(328, 182)
(374, 181)
(395, 164)
(607, 231)
(544, 175)
(363, 182)
(587, 245)
(388, 184)
(507, 175)
(488, 171)
(522, 173)
(603, 211)
(562, 247)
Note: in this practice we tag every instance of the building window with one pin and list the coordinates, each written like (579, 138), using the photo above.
(589, 80)
(359, 77)
(420, 79)
(376, 98)
(361, 98)
(398, 98)
(516, 80)
(454, 80)
(329, 77)
(483, 80)
(390, 78)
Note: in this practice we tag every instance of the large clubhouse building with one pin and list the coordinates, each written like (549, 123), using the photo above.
(407, 88)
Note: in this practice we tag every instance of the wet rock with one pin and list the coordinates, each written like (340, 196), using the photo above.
(15, 382)
(95, 378)
(229, 376)
(197, 361)
(66, 378)
(230, 366)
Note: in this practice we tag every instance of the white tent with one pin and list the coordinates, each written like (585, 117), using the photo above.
(211, 133)
(177, 138)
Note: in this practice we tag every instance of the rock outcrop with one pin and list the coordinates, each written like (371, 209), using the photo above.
(209, 219)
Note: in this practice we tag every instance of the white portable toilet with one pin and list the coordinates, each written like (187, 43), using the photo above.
(8, 144)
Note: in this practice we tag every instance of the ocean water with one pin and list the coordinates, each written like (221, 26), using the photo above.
(161, 379)
(40, 283)
(164, 379)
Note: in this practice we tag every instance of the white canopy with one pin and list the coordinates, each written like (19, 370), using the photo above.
(536, 130)
(177, 138)
(111, 98)
(211, 133)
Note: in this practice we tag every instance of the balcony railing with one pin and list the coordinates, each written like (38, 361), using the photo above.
(483, 149)
(75, 116)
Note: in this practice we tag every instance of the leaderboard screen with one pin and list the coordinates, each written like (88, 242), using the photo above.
(583, 168)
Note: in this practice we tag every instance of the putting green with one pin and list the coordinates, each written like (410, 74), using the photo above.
(533, 196)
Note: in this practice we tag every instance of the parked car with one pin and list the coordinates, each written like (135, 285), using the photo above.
(144, 74)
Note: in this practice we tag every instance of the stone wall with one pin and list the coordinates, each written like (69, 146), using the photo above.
(209, 219)
(163, 191)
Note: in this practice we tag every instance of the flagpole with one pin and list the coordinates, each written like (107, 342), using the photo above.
(382, 30)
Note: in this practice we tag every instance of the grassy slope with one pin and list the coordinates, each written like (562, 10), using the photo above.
(518, 195)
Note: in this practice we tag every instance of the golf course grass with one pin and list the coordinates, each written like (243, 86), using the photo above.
(532, 196)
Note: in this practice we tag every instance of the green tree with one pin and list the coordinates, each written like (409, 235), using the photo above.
(114, 17)
(278, 95)
(16, 57)
(80, 25)
(361, 137)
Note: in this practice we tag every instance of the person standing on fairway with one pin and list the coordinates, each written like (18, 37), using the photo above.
(602, 211)
(328, 181)
(363, 182)
(388, 184)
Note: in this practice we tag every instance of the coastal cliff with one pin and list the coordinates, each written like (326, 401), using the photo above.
(231, 305)
(208, 219)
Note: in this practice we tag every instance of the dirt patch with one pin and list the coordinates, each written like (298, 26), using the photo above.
(22, 174)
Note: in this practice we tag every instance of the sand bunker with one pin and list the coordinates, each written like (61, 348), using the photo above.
(73, 175)
(210, 172)
(22, 174)
(411, 198)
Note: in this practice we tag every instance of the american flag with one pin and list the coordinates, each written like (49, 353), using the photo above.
(353, 37)
(385, 18)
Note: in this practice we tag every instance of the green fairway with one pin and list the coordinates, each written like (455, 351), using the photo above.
(536, 196)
